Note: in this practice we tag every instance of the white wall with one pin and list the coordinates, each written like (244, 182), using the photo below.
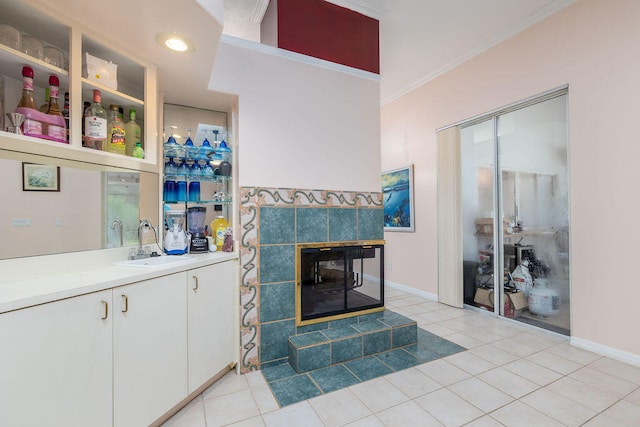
(300, 124)
(591, 46)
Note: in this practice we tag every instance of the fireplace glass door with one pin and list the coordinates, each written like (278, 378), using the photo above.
(337, 281)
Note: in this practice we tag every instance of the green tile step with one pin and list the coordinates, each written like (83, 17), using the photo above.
(367, 335)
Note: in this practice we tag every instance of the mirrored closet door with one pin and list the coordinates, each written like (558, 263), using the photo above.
(515, 213)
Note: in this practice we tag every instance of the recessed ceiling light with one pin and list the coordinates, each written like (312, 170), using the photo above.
(175, 42)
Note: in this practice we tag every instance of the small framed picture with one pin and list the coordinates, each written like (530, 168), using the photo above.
(37, 177)
(397, 193)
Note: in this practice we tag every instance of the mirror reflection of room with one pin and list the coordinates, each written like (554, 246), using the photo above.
(91, 209)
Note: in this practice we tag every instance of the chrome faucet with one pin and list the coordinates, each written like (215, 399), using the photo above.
(144, 223)
(118, 223)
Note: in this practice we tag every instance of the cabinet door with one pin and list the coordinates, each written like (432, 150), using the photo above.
(56, 363)
(212, 321)
(150, 349)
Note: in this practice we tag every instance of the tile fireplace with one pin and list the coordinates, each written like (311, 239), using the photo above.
(274, 221)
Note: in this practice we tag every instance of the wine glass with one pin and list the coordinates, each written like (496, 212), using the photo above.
(171, 147)
(190, 149)
(206, 147)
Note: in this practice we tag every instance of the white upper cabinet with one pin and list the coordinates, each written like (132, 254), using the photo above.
(134, 86)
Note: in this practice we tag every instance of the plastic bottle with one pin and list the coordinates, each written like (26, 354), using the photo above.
(116, 132)
(132, 134)
(218, 228)
(138, 151)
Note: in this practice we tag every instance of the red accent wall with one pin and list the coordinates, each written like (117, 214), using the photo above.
(327, 31)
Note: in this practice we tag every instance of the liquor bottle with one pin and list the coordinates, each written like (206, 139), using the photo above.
(30, 126)
(45, 107)
(56, 127)
(95, 124)
(65, 112)
(54, 93)
(132, 134)
(85, 106)
(116, 134)
(27, 100)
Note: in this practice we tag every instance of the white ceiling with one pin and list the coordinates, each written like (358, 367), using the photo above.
(419, 39)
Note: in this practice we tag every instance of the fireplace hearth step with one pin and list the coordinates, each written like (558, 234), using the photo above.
(366, 336)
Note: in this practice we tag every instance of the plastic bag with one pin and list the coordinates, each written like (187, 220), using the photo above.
(522, 278)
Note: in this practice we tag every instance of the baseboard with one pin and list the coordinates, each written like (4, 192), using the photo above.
(412, 291)
(603, 350)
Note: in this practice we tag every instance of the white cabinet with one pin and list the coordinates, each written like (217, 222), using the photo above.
(212, 322)
(136, 86)
(149, 349)
(119, 357)
(57, 363)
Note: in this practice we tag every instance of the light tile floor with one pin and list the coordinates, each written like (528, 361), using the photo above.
(510, 375)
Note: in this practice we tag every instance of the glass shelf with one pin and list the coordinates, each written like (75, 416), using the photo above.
(215, 178)
(179, 153)
(200, 202)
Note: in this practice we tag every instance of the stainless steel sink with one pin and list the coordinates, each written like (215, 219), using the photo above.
(155, 262)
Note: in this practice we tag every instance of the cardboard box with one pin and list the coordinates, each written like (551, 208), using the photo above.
(514, 303)
(101, 71)
(484, 226)
(484, 297)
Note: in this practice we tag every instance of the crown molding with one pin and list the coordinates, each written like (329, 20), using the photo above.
(365, 7)
(259, 10)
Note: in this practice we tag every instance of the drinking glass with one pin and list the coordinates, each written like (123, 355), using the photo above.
(194, 191)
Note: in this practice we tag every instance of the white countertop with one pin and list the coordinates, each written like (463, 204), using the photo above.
(25, 282)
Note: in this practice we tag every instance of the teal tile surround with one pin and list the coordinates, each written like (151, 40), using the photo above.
(277, 225)
(275, 299)
(289, 387)
(342, 224)
(311, 225)
(348, 343)
(273, 221)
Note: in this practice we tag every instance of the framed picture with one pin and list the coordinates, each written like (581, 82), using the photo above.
(40, 177)
(397, 193)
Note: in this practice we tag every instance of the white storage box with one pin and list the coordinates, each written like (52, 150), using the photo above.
(101, 71)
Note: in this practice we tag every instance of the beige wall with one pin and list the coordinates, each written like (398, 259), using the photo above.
(593, 47)
(56, 226)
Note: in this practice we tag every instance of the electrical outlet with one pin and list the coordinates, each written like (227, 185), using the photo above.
(21, 222)
(389, 265)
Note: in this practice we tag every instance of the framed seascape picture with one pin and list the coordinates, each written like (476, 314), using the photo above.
(40, 177)
(397, 193)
